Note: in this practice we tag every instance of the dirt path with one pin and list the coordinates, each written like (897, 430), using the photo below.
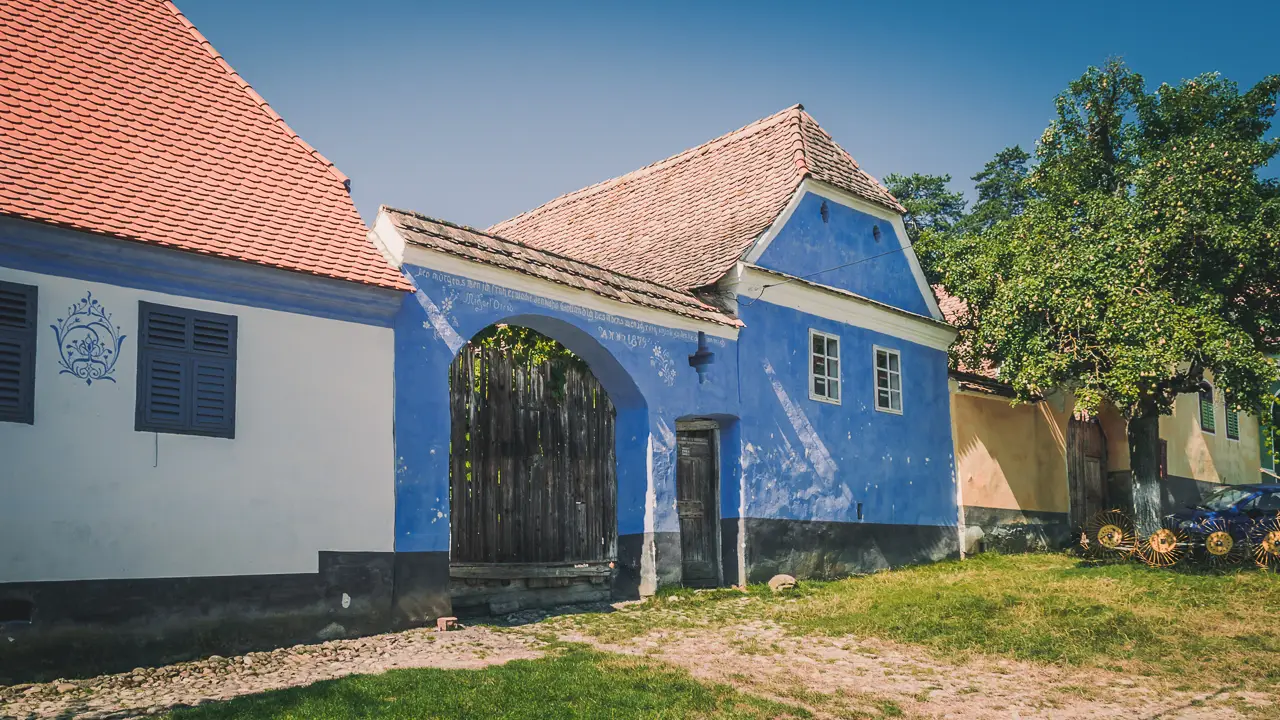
(833, 677)
(153, 691)
(842, 677)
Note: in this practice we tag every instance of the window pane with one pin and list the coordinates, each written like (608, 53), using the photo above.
(882, 378)
(833, 347)
(895, 382)
(819, 348)
(882, 359)
(893, 362)
(819, 365)
(897, 401)
(834, 386)
(882, 398)
(820, 386)
(833, 368)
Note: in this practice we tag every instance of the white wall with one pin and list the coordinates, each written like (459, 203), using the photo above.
(83, 495)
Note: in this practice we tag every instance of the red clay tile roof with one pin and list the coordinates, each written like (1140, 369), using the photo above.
(479, 246)
(953, 311)
(684, 221)
(117, 117)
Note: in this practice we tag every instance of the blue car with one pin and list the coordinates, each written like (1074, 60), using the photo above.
(1239, 506)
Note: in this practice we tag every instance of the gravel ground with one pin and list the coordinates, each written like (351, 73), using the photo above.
(834, 677)
(851, 676)
(150, 691)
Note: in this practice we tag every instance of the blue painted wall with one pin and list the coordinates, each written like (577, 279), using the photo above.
(805, 459)
(644, 368)
(782, 455)
(807, 244)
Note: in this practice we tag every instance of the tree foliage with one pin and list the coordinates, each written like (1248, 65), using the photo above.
(933, 210)
(529, 348)
(1142, 251)
(1003, 190)
(930, 204)
(525, 345)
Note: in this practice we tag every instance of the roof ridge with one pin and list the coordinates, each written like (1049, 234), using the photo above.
(733, 136)
(254, 97)
(422, 216)
(818, 126)
(802, 152)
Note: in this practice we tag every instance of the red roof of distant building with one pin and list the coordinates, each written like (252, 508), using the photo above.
(953, 311)
(119, 118)
(684, 221)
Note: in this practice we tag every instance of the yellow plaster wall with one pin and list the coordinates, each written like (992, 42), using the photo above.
(1192, 453)
(1210, 457)
(1010, 457)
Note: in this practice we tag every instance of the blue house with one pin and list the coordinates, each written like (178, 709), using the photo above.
(774, 361)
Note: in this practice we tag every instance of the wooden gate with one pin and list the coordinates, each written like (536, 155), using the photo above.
(532, 475)
(1086, 469)
(698, 508)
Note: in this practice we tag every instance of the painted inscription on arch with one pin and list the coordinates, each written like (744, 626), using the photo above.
(487, 297)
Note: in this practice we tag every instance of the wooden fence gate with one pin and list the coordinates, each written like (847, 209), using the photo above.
(532, 474)
(1086, 470)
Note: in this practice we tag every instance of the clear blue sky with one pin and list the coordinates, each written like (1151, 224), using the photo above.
(476, 111)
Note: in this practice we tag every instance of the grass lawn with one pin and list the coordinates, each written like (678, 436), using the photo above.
(570, 682)
(1192, 629)
(1050, 608)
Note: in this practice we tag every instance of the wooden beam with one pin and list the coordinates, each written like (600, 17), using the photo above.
(513, 571)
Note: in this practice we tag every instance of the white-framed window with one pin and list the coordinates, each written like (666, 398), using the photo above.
(824, 367)
(888, 380)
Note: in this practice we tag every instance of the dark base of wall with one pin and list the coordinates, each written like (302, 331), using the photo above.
(1017, 531)
(1176, 492)
(421, 587)
(666, 549)
(668, 557)
(93, 626)
(626, 581)
(729, 550)
(827, 550)
(477, 598)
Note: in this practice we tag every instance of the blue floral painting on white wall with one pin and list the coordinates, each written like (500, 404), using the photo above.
(88, 342)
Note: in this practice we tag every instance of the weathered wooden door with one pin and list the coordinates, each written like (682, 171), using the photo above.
(1086, 469)
(696, 504)
(532, 474)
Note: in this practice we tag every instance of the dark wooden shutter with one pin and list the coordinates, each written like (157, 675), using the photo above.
(1207, 421)
(186, 372)
(17, 352)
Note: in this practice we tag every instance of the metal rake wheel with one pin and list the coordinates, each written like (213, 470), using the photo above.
(1264, 539)
(1109, 534)
(1164, 547)
(1220, 547)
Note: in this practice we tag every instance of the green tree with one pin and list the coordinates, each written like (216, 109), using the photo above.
(1003, 189)
(525, 345)
(1147, 256)
(932, 211)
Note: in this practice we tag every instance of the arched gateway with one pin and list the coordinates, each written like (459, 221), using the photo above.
(532, 474)
(535, 483)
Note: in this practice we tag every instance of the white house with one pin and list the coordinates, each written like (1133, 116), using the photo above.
(195, 349)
